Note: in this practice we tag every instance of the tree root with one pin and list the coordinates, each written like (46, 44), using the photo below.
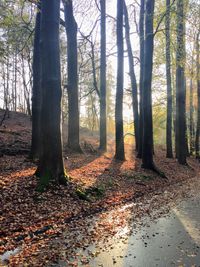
(153, 168)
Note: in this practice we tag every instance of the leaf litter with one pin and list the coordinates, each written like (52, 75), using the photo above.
(52, 226)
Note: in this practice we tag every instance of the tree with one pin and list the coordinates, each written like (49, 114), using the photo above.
(169, 87)
(198, 97)
(72, 70)
(132, 76)
(147, 144)
(180, 86)
(103, 119)
(119, 129)
(141, 85)
(50, 161)
(36, 90)
(191, 122)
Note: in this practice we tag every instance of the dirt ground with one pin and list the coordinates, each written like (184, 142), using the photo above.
(99, 184)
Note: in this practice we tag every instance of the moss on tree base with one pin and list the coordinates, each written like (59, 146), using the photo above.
(49, 177)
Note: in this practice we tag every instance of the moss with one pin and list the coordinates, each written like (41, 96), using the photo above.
(82, 195)
(91, 193)
(110, 183)
(96, 191)
(44, 182)
(138, 176)
(47, 178)
(145, 177)
(64, 179)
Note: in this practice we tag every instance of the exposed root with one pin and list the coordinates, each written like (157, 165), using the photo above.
(153, 168)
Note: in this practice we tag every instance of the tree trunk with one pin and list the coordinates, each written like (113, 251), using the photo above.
(186, 126)
(191, 123)
(132, 76)
(191, 120)
(180, 87)
(147, 145)
(50, 162)
(27, 106)
(72, 70)
(15, 81)
(198, 98)
(141, 32)
(94, 75)
(103, 120)
(119, 154)
(169, 87)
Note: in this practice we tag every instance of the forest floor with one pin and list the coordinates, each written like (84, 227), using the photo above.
(32, 223)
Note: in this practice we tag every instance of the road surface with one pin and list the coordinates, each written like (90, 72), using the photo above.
(173, 240)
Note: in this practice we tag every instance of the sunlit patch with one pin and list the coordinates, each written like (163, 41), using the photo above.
(89, 174)
(189, 226)
(23, 173)
(17, 175)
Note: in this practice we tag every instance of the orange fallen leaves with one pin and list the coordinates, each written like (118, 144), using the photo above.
(35, 221)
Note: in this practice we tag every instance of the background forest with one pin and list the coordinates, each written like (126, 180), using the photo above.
(99, 108)
(17, 34)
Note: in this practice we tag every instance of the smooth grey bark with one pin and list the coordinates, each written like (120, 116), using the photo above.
(51, 165)
(36, 89)
(191, 122)
(169, 83)
(141, 85)
(134, 90)
(147, 144)
(72, 71)
(198, 98)
(103, 118)
(180, 87)
(119, 128)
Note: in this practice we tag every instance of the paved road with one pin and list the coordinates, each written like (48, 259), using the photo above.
(170, 241)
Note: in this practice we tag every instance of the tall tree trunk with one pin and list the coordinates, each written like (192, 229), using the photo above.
(72, 70)
(191, 122)
(180, 86)
(103, 119)
(147, 144)
(186, 126)
(50, 161)
(169, 86)
(198, 98)
(141, 32)
(15, 82)
(132, 76)
(119, 130)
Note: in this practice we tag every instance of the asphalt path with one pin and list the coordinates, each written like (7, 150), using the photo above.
(173, 240)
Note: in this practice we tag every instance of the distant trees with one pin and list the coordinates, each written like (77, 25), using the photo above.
(50, 160)
(90, 83)
(16, 24)
(119, 130)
